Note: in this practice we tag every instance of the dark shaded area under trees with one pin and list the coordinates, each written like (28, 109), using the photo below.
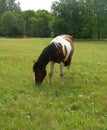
(83, 19)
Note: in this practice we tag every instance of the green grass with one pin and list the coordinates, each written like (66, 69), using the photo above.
(78, 104)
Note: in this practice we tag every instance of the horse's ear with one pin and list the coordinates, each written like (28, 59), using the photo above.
(34, 61)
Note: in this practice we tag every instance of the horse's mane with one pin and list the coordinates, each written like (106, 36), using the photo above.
(46, 55)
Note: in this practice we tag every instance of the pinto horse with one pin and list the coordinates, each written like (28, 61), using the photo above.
(60, 50)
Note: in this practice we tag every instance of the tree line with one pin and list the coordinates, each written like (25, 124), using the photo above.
(83, 19)
(17, 23)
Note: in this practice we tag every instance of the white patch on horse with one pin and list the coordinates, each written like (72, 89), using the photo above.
(60, 40)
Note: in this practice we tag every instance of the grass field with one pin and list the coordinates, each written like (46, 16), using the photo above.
(79, 104)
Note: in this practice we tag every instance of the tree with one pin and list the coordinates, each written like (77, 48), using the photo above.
(100, 18)
(43, 18)
(87, 20)
(12, 24)
(33, 26)
(28, 15)
(80, 18)
(67, 17)
(9, 5)
(2, 6)
(37, 23)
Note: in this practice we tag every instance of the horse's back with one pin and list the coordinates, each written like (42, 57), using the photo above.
(69, 38)
(64, 44)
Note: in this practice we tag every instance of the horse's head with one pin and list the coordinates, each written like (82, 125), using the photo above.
(39, 73)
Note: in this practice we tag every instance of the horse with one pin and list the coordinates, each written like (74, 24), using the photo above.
(60, 50)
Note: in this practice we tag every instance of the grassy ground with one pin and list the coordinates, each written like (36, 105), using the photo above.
(79, 104)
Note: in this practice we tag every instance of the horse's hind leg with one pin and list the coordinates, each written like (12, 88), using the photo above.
(61, 71)
(51, 71)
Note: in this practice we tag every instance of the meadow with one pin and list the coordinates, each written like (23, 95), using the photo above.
(78, 104)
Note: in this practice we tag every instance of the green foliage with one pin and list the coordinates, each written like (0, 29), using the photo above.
(29, 22)
(82, 19)
(80, 103)
(43, 21)
(9, 5)
(12, 24)
(2, 6)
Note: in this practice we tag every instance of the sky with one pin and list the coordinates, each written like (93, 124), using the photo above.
(36, 4)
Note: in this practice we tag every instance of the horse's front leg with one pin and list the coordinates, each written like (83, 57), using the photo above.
(51, 71)
(61, 71)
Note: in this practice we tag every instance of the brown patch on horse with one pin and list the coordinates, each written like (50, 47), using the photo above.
(59, 55)
(69, 39)
(65, 51)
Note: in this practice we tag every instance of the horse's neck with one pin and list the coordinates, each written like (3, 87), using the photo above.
(46, 55)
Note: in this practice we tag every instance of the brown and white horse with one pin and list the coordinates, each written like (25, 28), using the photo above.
(60, 50)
